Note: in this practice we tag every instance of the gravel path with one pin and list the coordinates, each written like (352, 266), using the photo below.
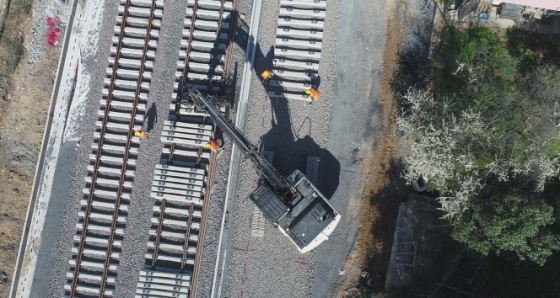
(217, 200)
(359, 50)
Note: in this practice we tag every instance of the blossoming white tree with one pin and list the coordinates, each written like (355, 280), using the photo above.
(457, 153)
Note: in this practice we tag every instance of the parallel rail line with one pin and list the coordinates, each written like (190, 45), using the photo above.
(128, 143)
(205, 56)
(103, 214)
(203, 74)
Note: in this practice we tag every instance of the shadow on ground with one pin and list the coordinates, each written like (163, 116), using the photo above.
(385, 203)
(242, 38)
(151, 115)
(413, 59)
(292, 145)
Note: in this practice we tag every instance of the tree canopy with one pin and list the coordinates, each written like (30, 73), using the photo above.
(490, 118)
(509, 223)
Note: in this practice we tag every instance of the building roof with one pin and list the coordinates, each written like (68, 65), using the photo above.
(510, 11)
(546, 4)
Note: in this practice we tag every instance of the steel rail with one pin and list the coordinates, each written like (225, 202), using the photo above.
(99, 151)
(171, 149)
(202, 230)
(187, 235)
(128, 144)
(213, 155)
(229, 50)
(189, 45)
(221, 14)
(158, 232)
(199, 155)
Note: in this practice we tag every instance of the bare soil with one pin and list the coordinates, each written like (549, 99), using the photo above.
(382, 188)
(25, 95)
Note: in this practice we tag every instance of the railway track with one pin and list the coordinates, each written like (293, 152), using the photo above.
(206, 46)
(183, 179)
(297, 49)
(102, 219)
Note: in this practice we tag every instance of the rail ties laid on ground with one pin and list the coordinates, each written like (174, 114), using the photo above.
(297, 49)
(179, 190)
(102, 219)
(204, 48)
(181, 187)
(183, 179)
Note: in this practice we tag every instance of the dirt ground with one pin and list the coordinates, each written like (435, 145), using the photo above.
(25, 93)
(382, 188)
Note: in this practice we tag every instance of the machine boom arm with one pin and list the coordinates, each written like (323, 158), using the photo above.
(267, 170)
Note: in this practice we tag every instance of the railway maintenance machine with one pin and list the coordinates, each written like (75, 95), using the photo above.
(293, 203)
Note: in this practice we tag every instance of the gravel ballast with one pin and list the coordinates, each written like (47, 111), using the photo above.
(161, 89)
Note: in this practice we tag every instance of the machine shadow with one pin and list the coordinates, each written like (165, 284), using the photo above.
(291, 151)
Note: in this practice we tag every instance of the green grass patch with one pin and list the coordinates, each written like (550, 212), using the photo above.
(14, 50)
(482, 161)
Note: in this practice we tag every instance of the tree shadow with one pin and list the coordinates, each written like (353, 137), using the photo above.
(291, 151)
(152, 117)
(413, 58)
(533, 46)
(385, 203)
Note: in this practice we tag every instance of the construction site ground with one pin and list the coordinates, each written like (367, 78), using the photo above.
(25, 101)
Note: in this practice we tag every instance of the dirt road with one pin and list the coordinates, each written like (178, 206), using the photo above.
(408, 24)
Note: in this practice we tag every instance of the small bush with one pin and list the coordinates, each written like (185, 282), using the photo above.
(15, 52)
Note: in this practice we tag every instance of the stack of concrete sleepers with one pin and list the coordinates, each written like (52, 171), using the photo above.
(179, 190)
(163, 284)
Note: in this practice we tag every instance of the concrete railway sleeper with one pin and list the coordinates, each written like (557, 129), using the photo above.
(101, 227)
(297, 48)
